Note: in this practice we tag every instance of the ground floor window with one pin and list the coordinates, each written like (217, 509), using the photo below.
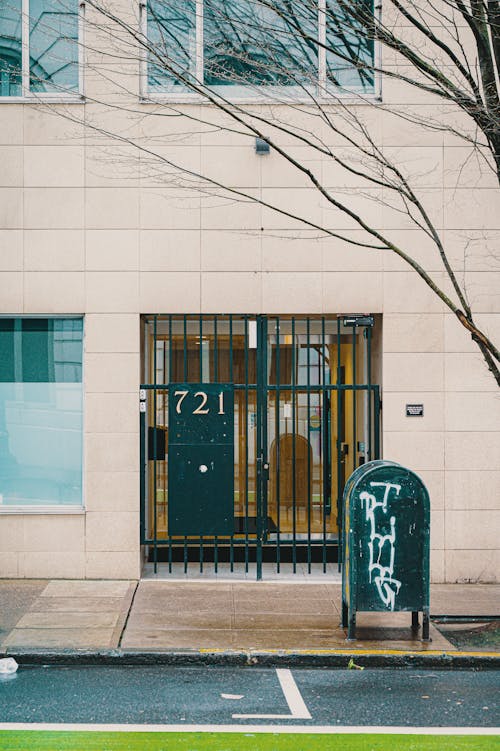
(41, 411)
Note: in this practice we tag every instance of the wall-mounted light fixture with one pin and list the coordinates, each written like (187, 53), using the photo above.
(358, 321)
(261, 146)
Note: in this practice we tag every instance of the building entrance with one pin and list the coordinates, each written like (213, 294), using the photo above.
(249, 427)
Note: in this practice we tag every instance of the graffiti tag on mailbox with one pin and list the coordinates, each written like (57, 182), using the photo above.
(382, 547)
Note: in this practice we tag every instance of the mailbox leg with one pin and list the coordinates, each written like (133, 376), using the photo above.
(351, 631)
(345, 613)
(425, 629)
(414, 620)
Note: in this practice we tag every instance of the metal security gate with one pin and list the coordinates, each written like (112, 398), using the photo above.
(250, 426)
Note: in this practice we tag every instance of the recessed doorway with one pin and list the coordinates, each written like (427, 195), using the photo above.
(250, 426)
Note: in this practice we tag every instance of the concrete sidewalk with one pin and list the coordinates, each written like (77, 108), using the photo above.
(190, 616)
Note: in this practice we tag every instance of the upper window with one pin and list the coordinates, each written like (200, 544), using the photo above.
(39, 51)
(240, 47)
(41, 412)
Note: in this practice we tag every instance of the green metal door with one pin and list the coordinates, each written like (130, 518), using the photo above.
(201, 459)
(249, 425)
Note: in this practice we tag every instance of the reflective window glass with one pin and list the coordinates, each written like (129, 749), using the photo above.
(349, 53)
(41, 411)
(53, 45)
(249, 43)
(257, 46)
(172, 33)
(10, 48)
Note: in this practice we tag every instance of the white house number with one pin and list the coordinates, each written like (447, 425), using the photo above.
(200, 409)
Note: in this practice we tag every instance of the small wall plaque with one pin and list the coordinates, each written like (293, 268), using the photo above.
(414, 410)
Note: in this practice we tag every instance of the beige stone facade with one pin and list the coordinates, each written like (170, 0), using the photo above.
(86, 228)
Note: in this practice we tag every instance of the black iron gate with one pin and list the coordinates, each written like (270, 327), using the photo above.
(249, 427)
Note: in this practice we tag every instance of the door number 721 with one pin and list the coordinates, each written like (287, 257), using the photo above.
(200, 409)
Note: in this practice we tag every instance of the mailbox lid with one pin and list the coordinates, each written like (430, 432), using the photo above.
(388, 540)
(201, 490)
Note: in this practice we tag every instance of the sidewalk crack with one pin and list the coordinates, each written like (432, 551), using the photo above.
(128, 615)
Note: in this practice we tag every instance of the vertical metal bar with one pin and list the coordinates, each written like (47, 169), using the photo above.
(354, 402)
(216, 378)
(200, 348)
(216, 352)
(185, 551)
(185, 350)
(216, 555)
(340, 488)
(170, 377)
(231, 548)
(200, 351)
(261, 436)
(142, 459)
(265, 458)
(309, 500)
(294, 452)
(165, 460)
(376, 447)
(246, 446)
(277, 445)
(155, 440)
(323, 384)
(231, 375)
(369, 371)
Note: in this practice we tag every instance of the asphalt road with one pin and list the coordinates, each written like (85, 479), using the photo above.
(213, 695)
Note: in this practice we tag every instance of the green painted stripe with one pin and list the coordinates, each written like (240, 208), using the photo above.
(103, 741)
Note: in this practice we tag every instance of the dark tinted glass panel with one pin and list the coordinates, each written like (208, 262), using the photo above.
(41, 350)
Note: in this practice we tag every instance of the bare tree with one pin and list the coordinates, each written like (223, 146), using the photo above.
(309, 73)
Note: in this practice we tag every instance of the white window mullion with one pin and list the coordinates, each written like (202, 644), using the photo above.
(81, 49)
(143, 55)
(199, 41)
(377, 52)
(321, 49)
(25, 37)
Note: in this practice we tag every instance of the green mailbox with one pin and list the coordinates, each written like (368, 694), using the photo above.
(201, 459)
(385, 544)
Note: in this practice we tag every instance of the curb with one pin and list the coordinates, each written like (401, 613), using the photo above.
(271, 658)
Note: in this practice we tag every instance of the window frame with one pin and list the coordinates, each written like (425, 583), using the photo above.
(321, 90)
(54, 508)
(48, 96)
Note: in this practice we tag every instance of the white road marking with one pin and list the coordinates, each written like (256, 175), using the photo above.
(232, 696)
(293, 698)
(325, 729)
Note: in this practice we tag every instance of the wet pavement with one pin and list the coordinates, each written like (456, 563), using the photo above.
(168, 616)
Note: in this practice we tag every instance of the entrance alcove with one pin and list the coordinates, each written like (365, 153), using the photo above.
(305, 413)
